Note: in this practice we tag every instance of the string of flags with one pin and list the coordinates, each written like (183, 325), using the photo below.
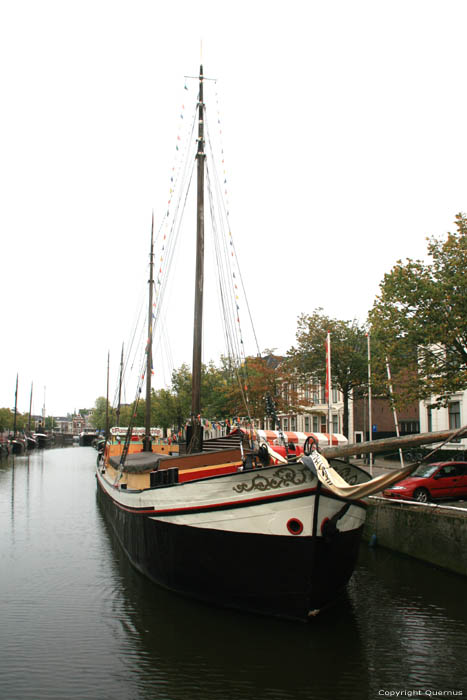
(179, 179)
(220, 424)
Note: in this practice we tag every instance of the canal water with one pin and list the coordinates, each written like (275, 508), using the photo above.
(77, 622)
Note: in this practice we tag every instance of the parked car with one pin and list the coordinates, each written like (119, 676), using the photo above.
(443, 480)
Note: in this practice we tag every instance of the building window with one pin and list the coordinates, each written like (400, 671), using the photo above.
(412, 426)
(293, 423)
(307, 424)
(335, 423)
(285, 423)
(334, 396)
(316, 424)
(429, 415)
(454, 415)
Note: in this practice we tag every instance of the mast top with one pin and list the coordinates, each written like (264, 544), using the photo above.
(200, 77)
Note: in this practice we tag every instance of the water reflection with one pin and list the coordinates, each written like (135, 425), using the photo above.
(413, 617)
(196, 651)
(78, 622)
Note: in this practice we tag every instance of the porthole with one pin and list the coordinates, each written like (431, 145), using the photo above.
(295, 526)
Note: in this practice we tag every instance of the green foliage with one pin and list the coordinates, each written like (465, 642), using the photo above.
(349, 357)
(419, 319)
(163, 409)
(214, 387)
(6, 419)
(259, 377)
(99, 414)
(181, 388)
(222, 396)
(214, 383)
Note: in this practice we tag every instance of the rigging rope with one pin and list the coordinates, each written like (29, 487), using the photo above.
(228, 288)
(230, 280)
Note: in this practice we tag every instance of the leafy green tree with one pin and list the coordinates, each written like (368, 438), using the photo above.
(214, 382)
(349, 357)
(181, 388)
(214, 391)
(6, 419)
(163, 409)
(419, 318)
(140, 417)
(99, 414)
(257, 378)
(228, 391)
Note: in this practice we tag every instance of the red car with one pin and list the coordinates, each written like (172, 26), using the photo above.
(443, 480)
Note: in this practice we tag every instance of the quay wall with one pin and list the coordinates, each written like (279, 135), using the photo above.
(430, 532)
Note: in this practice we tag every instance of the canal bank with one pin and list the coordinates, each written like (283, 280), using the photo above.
(435, 533)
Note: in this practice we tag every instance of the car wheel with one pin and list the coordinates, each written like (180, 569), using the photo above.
(421, 495)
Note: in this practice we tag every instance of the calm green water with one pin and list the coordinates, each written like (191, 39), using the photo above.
(78, 622)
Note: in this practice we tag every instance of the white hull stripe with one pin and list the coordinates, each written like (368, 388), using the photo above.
(227, 505)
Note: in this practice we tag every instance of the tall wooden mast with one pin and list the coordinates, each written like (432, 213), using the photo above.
(120, 388)
(16, 406)
(106, 436)
(30, 409)
(147, 447)
(196, 438)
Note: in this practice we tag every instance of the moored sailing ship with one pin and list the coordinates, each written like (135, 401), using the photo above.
(240, 521)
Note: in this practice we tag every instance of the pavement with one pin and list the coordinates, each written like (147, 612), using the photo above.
(380, 466)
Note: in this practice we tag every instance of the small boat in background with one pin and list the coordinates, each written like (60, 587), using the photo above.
(42, 439)
(31, 442)
(17, 445)
(87, 438)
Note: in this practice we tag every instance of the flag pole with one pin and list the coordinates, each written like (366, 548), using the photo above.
(329, 385)
(394, 412)
(370, 416)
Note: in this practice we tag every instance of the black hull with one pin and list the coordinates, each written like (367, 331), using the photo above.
(17, 448)
(87, 440)
(266, 574)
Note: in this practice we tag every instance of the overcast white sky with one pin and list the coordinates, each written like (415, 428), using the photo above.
(344, 127)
